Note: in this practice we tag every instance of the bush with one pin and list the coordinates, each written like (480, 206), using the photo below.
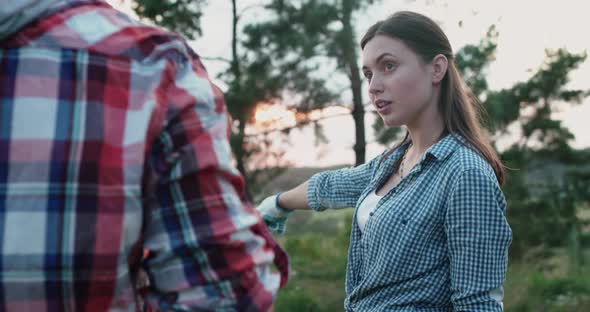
(555, 294)
(293, 299)
(318, 263)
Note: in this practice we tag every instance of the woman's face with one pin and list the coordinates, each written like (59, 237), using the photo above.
(400, 83)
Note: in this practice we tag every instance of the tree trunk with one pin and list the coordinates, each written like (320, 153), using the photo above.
(239, 142)
(358, 114)
(358, 110)
(235, 68)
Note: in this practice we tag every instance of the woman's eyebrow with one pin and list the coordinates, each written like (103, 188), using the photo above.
(379, 58)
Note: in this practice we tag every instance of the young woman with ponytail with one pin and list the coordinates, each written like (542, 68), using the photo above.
(429, 231)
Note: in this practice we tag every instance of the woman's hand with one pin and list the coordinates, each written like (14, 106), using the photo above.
(274, 216)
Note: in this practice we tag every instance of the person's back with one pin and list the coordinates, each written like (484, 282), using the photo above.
(113, 140)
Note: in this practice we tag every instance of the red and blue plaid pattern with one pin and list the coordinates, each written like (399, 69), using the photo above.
(112, 141)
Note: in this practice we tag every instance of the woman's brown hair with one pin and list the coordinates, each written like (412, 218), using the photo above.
(460, 111)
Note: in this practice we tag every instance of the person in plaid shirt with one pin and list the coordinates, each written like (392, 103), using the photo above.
(429, 232)
(113, 141)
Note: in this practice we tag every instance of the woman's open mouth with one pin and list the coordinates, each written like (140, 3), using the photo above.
(382, 104)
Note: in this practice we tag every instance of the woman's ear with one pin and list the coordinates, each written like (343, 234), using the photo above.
(440, 63)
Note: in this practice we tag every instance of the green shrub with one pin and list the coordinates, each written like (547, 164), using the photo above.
(555, 294)
(294, 299)
(318, 263)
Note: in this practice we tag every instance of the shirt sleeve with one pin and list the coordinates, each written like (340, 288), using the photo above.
(208, 248)
(478, 239)
(335, 189)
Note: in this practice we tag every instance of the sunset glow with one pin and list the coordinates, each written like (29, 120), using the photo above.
(273, 115)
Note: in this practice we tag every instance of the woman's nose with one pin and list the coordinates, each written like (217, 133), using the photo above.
(375, 85)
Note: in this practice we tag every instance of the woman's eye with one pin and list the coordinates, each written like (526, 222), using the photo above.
(368, 75)
(389, 66)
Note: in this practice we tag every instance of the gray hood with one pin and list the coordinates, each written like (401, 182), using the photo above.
(14, 14)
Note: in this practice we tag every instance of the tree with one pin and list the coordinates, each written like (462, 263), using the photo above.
(541, 199)
(304, 35)
(253, 79)
(181, 16)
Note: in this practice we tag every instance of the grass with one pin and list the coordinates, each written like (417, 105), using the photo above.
(318, 251)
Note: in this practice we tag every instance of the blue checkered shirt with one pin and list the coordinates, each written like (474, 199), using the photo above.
(438, 241)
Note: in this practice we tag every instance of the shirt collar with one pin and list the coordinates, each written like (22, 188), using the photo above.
(439, 150)
(15, 14)
(446, 146)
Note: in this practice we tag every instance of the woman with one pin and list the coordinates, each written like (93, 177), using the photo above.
(429, 231)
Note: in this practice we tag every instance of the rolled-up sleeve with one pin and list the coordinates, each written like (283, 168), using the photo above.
(208, 248)
(335, 189)
(478, 239)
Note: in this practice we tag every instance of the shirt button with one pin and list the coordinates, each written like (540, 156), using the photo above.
(370, 214)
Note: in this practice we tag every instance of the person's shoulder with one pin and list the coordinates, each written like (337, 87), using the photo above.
(466, 158)
(104, 30)
(137, 40)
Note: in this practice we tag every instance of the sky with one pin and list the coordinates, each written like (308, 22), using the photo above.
(526, 28)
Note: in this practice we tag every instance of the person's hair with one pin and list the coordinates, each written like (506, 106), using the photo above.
(460, 110)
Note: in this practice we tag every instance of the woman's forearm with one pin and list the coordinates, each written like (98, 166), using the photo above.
(295, 198)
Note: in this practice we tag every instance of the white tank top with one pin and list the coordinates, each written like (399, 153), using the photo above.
(365, 208)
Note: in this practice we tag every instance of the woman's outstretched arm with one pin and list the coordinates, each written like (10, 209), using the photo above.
(295, 198)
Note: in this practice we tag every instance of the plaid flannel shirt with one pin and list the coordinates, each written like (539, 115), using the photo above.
(438, 241)
(113, 141)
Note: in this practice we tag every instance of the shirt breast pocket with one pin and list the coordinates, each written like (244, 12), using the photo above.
(410, 232)
(416, 236)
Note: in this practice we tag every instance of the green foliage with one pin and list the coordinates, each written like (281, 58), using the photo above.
(383, 134)
(540, 95)
(551, 289)
(288, 43)
(181, 16)
(534, 217)
(503, 108)
(296, 299)
(541, 206)
(548, 82)
(317, 245)
(536, 221)
(556, 294)
(473, 60)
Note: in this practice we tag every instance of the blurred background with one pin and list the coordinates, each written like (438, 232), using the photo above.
(290, 73)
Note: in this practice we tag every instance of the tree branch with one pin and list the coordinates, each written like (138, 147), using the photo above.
(249, 8)
(220, 59)
(296, 125)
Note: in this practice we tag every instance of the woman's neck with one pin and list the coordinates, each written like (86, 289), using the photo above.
(424, 136)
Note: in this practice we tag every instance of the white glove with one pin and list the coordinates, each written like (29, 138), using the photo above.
(274, 216)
